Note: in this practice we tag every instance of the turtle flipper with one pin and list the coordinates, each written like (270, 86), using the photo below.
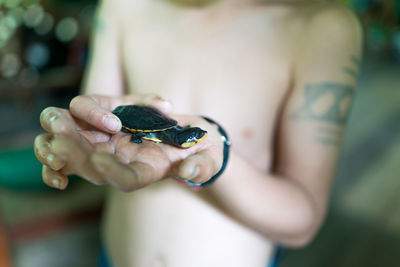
(137, 137)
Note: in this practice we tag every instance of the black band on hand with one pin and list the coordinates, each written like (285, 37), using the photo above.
(227, 144)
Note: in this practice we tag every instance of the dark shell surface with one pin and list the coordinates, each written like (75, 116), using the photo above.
(143, 118)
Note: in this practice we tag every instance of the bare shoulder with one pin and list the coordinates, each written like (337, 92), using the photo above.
(333, 17)
(328, 18)
(323, 32)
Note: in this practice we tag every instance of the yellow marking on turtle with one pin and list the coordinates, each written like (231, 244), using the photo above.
(155, 140)
(190, 144)
(144, 131)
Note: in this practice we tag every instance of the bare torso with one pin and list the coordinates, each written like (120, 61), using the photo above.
(232, 64)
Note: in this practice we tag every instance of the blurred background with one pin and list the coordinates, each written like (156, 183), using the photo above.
(43, 51)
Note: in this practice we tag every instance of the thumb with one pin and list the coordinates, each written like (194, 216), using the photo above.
(199, 167)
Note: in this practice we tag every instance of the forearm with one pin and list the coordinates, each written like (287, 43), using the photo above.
(277, 207)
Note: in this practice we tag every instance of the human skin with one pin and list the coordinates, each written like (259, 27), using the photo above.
(80, 148)
(279, 77)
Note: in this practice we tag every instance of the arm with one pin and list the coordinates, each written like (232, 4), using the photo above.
(289, 204)
(104, 73)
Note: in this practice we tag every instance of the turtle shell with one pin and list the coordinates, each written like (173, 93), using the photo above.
(143, 118)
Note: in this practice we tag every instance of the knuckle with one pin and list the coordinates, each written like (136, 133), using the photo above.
(92, 116)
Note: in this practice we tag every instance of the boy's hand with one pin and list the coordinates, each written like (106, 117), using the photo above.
(129, 166)
(75, 146)
(89, 121)
(134, 166)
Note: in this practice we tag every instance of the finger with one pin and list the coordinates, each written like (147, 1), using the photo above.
(57, 120)
(105, 147)
(95, 110)
(199, 167)
(151, 99)
(95, 137)
(77, 156)
(53, 178)
(42, 148)
(109, 146)
(148, 152)
(117, 174)
(124, 177)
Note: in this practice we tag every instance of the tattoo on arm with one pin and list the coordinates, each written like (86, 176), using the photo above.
(354, 69)
(326, 135)
(326, 102)
(350, 71)
(356, 61)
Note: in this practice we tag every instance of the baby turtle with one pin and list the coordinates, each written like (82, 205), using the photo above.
(146, 123)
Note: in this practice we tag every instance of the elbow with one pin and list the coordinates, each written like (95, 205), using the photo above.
(300, 228)
(299, 238)
(300, 241)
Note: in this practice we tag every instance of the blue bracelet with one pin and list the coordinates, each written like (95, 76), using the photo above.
(227, 145)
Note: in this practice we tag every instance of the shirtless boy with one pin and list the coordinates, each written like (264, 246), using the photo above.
(279, 76)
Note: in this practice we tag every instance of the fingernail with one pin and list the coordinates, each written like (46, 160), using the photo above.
(57, 125)
(50, 159)
(56, 163)
(111, 123)
(56, 183)
(195, 172)
(53, 117)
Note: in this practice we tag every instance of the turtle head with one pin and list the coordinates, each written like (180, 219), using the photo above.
(188, 137)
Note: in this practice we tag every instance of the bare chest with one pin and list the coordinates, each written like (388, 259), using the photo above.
(235, 70)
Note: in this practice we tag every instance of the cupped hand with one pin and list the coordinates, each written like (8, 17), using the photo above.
(89, 121)
(129, 166)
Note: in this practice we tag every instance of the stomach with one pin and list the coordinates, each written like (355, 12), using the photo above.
(166, 225)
